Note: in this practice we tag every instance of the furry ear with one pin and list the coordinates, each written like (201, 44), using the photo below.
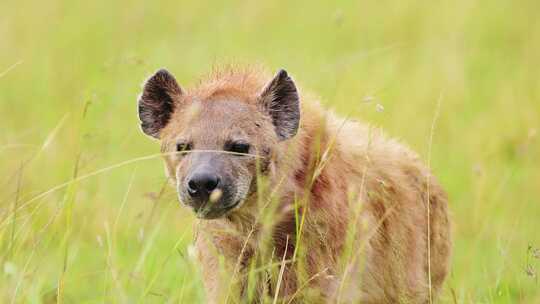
(161, 93)
(280, 100)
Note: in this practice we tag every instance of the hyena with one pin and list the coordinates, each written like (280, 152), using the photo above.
(294, 203)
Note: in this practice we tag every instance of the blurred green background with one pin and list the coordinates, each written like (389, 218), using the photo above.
(70, 72)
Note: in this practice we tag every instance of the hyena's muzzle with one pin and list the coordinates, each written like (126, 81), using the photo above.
(209, 186)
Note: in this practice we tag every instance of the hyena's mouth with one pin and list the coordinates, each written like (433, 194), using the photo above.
(205, 212)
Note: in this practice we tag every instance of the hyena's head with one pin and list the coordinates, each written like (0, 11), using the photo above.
(225, 133)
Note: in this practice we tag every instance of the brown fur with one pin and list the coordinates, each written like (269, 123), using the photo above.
(356, 188)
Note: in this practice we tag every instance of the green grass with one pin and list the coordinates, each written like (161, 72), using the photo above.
(70, 72)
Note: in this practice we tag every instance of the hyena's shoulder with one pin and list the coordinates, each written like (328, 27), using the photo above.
(399, 199)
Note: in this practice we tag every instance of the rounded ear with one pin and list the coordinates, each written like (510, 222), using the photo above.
(161, 94)
(280, 100)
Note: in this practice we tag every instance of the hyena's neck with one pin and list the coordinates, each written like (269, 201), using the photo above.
(295, 179)
(268, 223)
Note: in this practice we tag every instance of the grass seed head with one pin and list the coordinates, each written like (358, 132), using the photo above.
(215, 195)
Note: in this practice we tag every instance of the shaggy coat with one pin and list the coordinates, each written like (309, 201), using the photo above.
(338, 212)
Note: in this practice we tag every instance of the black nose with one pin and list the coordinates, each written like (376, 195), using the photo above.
(202, 183)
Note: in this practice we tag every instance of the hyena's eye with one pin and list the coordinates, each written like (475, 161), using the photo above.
(238, 147)
(181, 147)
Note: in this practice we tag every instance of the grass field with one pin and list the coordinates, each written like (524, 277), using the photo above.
(85, 216)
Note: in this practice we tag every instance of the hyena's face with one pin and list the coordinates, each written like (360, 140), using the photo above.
(215, 147)
(223, 144)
